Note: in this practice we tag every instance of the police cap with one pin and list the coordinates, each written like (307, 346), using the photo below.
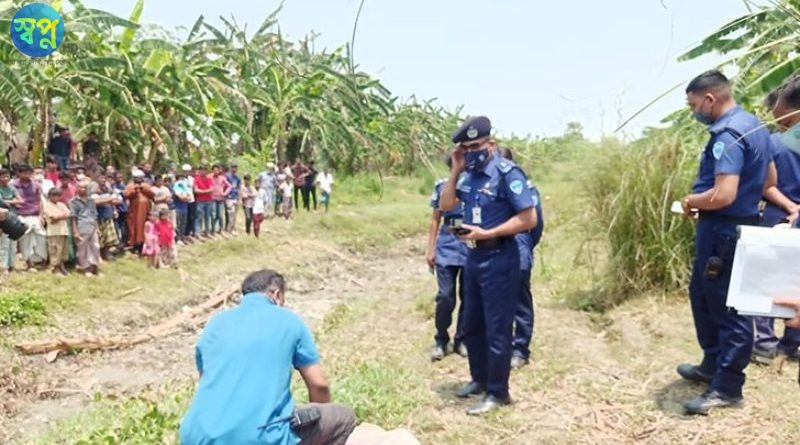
(473, 129)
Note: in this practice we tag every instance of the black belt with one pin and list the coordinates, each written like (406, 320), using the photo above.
(738, 220)
(493, 242)
(450, 220)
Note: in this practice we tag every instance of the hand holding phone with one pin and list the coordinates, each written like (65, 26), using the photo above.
(460, 231)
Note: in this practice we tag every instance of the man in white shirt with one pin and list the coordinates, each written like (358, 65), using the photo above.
(325, 181)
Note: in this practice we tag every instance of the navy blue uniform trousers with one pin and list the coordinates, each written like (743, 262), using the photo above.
(447, 277)
(726, 338)
(491, 293)
(523, 318)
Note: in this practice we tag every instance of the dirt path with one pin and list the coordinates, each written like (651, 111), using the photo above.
(594, 379)
(44, 393)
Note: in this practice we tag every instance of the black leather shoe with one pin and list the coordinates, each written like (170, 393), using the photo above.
(692, 373)
(437, 353)
(489, 403)
(471, 389)
(460, 349)
(518, 362)
(709, 400)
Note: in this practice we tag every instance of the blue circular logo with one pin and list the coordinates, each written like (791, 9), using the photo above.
(37, 30)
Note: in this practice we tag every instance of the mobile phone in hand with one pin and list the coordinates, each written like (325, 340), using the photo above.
(460, 231)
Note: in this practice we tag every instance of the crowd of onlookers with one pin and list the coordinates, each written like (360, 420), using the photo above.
(83, 215)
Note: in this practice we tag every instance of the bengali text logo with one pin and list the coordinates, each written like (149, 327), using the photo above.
(37, 30)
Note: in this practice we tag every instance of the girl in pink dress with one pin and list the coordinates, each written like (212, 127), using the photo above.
(150, 246)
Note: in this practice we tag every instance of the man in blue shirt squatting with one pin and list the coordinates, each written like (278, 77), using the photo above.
(782, 206)
(727, 192)
(245, 358)
(446, 254)
(497, 205)
(524, 316)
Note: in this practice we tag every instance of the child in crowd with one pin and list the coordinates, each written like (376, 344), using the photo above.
(167, 255)
(258, 207)
(248, 200)
(150, 246)
(57, 215)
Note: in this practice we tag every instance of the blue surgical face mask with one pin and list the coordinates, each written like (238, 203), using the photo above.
(703, 117)
(791, 138)
(475, 159)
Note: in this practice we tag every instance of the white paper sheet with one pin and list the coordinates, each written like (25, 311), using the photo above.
(766, 265)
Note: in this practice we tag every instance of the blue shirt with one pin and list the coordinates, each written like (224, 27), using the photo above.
(739, 145)
(180, 186)
(528, 240)
(122, 207)
(236, 182)
(495, 194)
(267, 181)
(105, 212)
(246, 355)
(450, 249)
(787, 163)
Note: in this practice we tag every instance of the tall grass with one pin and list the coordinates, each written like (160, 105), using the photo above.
(631, 188)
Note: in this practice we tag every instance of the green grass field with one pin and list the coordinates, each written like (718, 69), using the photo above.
(596, 377)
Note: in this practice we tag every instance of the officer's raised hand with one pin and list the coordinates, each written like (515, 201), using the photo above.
(459, 163)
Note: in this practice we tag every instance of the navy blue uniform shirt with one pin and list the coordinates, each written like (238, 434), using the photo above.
(739, 145)
(787, 163)
(450, 249)
(494, 195)
(527, 241)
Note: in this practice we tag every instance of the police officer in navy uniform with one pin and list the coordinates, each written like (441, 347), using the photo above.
(497, 205)
(782, 206)
(727, 192)
(446, 254)
(524, 316)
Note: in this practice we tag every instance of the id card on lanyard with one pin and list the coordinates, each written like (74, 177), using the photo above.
(476, 215)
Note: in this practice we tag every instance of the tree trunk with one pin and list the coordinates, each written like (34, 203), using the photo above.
(41, 135)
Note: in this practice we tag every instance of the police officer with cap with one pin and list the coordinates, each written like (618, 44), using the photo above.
(446, 254)
(497, 205)
(727, 192)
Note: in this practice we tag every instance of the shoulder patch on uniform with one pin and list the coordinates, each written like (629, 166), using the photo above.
(718, 149)
(440, 181)
(434, 196)
(535, 199)
(516, 186)
(505, 166)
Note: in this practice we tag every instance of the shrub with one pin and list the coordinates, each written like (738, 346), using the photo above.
(631, 191)
(21, 309)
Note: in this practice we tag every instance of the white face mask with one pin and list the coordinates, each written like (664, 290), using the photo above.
(38, 177)
(792, 138)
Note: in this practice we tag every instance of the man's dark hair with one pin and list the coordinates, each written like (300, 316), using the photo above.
(24, 168)
(772, 98)
(4, 171)
(262, 281)
(246, 177)
(506, 153)
(790, 93)
(709, 81)
(55, 191)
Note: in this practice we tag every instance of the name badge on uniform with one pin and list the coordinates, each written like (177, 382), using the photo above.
(476, 216)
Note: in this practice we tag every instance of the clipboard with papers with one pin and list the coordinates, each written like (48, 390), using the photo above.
(765, 265)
